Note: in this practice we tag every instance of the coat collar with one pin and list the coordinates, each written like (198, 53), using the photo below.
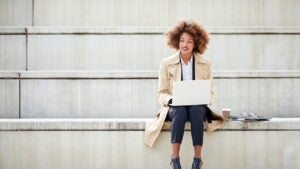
(199, 59)
(175, 68)
(174, 59)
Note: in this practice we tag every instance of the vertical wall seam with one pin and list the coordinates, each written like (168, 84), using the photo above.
(20, 103)
(32, 13)
(26, 46)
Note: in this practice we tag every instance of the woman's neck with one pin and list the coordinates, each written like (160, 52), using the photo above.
(186, 57)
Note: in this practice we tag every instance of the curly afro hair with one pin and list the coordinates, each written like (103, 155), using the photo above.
(197, 31)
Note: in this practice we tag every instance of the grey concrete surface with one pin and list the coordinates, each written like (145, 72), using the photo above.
(133, 52)
(16, 13)
(105, 149)
(103, 74)
(100, 35)
(263, 37)
(32, 30)
(270, 93)
(9, 75)
(12, 52)
(256, 73)
(82, 98)
(165, 13)
(130, 124)
(254, 52)
(145, 74)
(12, 30)
(92, 52)
(267, 96)
(155, 30)
(9, 98)
(88, 98)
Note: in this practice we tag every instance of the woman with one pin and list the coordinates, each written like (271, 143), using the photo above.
(191, 40)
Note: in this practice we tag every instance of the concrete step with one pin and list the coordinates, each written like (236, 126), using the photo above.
(135, 124)
(148, 13)
(125, 48)
(145, 74)
(125, 94)
(102, 30)
(101, 143)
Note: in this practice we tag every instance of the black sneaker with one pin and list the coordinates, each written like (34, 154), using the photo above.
(175, 163)
(197, 163)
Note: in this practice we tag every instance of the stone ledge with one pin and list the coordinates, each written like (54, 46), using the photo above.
(9, 75)
(256, 74)
(146, 30)
(114, 124)
(157, 30)
(143, 74)
(90, 75)
(12, 30)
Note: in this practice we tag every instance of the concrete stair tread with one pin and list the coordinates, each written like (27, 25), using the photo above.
(120, 124)
(143, 74)
(144, 30)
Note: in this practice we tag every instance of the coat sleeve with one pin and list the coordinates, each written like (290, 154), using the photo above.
(163, 91)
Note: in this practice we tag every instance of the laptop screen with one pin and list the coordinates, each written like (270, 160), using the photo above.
(194, 92)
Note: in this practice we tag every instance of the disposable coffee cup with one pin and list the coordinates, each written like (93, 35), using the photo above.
(226, 113)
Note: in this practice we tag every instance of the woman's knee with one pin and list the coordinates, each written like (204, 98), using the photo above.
(178, 112)
(197, 108)
(198, 111)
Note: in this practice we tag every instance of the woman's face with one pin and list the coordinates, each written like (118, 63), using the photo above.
(186, 44)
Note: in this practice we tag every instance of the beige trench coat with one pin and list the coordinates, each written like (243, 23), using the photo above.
(170, 70)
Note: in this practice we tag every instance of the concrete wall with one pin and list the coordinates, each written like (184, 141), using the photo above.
(148, 13)
(88, 98)
(117, 149)
(94, 52)
(144, 52)
(112, 145)
(255, 51)
(12, 52)
(132, 52)
(164, 13)
(67, 36)
(16, 12)
(268, 96)
(64, 37)
(125, 94)
(276, 97)
(9, 98)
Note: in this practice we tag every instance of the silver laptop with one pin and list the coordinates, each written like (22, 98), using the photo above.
(193, 92)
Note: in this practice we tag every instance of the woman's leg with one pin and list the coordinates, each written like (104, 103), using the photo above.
(197, 151)
(178, 116)
(196, 117)
(176, 149)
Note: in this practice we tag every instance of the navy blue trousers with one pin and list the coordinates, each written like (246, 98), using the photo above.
(178, 115)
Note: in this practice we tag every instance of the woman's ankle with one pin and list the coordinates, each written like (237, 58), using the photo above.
(175, 156)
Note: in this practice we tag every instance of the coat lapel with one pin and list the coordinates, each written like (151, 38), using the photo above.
(200, 71)
(175, 68)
